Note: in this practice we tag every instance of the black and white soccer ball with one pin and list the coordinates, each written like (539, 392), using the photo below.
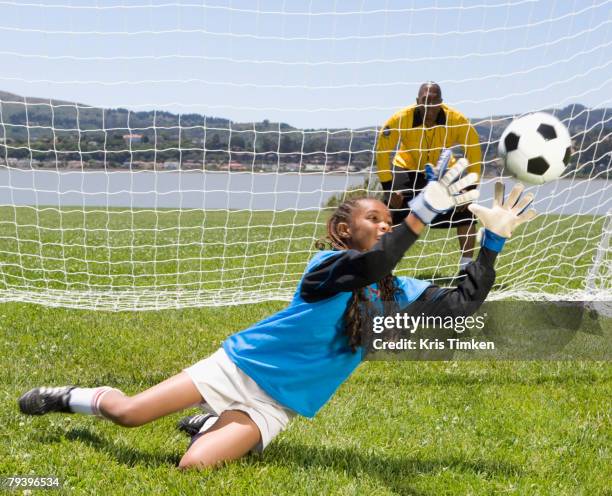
(535, 148)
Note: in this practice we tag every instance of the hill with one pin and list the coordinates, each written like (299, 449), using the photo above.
(55, 132)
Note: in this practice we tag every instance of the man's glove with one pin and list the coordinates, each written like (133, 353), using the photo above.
(444, 189)
(504, 217)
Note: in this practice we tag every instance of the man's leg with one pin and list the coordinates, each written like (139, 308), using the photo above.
(401, 212)
(466, 234)
(408, 184)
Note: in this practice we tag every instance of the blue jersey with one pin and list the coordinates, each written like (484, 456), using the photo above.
(300, 355)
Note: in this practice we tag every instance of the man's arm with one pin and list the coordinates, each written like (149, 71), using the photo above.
(467, 136)
(386, 143)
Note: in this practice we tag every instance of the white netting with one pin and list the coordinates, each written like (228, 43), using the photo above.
(214, 138)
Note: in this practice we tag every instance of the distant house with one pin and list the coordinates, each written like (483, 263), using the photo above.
(23, 163)
(136, 164)
(95, 164)
(132, 138)
(233, 166)
(314, 167)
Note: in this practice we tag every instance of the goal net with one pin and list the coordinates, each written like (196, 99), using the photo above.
(167, 154)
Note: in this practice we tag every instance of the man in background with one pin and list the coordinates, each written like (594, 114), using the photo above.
(416, 135)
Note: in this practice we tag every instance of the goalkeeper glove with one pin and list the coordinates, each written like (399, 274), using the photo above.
(444, 189)
(504, 217)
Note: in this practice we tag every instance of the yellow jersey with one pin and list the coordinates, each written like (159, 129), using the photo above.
(416, 145)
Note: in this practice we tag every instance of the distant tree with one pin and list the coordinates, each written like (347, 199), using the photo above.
(214, 142)
(237, 142)
(290, 143)
(314, 144)
(267, 143)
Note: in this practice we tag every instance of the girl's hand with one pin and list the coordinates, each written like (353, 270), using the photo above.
(444, 190)
(504, 217)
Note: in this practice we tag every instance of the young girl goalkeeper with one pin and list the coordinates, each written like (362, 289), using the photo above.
(293, 361)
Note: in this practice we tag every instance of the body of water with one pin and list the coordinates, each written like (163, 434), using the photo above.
(223, 190)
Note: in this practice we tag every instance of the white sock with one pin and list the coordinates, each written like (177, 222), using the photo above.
(463, 263)
(87, 400)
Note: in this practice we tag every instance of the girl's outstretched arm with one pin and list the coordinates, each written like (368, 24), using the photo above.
(499, 223)
(353, 269)
(466, 298)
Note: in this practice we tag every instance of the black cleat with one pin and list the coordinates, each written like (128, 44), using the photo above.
(191, 425)
(41, 400)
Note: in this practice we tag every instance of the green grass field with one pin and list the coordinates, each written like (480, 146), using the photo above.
(422, 428)
(252, 252)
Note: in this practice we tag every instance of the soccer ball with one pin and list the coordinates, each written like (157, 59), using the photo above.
(535, 148)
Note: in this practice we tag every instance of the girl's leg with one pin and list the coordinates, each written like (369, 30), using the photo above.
(232, 437)
(172, 395)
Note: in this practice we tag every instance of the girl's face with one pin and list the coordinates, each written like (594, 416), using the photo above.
(371, 219)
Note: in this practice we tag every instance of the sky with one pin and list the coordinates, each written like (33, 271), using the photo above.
(312, 64)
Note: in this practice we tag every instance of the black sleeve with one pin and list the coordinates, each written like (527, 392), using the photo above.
(352, 269)
(467, 297)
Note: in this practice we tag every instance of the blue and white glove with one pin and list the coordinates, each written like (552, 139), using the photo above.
(504, 217)
(444, 189)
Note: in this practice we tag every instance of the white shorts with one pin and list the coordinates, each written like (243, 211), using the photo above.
(225, 387)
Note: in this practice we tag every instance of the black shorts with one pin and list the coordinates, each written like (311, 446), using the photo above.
(411, 183)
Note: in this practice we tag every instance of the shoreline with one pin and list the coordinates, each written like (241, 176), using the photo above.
(364, 173)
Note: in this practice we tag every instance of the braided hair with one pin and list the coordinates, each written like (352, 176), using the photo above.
(357, 315)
